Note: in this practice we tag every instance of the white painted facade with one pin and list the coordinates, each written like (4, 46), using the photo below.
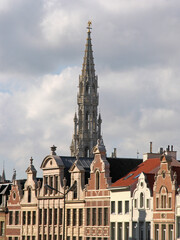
(142, 210)
(134, 222)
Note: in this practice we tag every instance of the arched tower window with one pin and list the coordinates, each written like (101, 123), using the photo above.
(97, 180)
(86, 152)
(29, 194)
(141, 200)
(87, 88)
(87, 119)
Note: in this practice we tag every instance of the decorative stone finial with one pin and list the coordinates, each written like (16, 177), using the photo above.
(53, 150)
(31, 160)
(99, 148)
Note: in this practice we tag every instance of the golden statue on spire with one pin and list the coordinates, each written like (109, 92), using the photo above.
(89, 25)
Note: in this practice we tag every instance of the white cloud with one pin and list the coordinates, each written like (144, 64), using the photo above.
(136, 50)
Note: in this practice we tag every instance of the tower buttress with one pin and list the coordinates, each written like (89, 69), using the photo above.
(87, 125)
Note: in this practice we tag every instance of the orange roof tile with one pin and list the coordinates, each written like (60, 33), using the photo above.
(149, 166)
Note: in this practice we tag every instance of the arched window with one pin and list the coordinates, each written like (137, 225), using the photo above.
(163, 197)
(97, 180)
(29, 194)
(141, 200)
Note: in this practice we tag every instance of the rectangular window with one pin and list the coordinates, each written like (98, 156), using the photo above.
(178, 227)
(40, 216)
(120, 231)
(80, 238)
(99, 216)
(74, 238)
(126, 206)
(113, 231)
(50, 216)
(135, 203)
(55, 237)
(10, 217)
(51, 184)
(134, 229)
(170, 232)
(28, 237)
(10, 238)
(68, 238)
(126, 232)
(15, 238)
(56, 184)
(147, 203)
(55, 216)
(141, 230)
(34, 218)
(24, 217)
(2, 228)
(170, 205)
(112, 207)
(33, 238)
(60, 216)
(16, 217)
(157, 202)
(119, 207)
(45, 216)
(163, 233)
(74, 217)
(68, 217)
(105, 216)
(156, 231)
(94, 217)
(148, 230)
(23, 237)
(80, 217)
(88, 216)
(29, 218)
(45, 183)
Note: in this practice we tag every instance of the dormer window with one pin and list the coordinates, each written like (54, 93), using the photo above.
(97, 180)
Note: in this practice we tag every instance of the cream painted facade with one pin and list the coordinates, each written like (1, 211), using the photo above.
(121, 214)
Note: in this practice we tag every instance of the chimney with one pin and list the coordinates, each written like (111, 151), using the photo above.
(115, 153)
(150, 147)
(161, 150)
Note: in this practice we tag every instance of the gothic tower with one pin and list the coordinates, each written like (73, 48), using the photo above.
(87, 125)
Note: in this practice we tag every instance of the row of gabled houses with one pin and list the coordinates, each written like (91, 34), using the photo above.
(112, 198)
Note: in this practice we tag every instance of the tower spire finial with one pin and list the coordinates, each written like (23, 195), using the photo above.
(89, 26)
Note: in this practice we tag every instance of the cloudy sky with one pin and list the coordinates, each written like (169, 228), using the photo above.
(136, 47)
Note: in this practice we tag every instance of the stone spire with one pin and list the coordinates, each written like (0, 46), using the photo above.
(87, 125)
